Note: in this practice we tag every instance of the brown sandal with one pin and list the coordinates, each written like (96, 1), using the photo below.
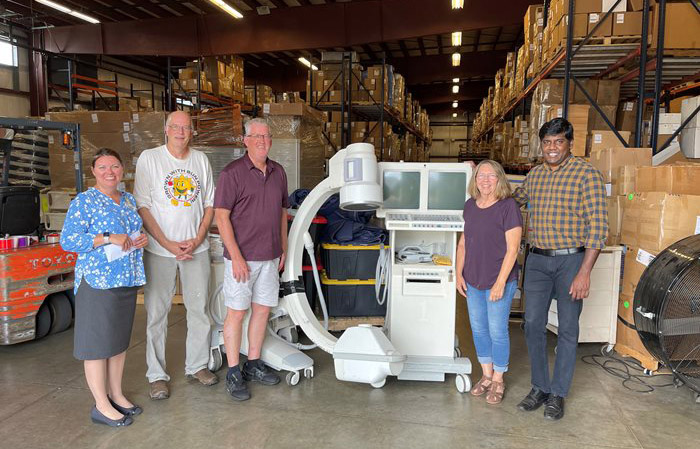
(481, 387)
(496, 392)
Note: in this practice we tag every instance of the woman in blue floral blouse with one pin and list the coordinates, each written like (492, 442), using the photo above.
(104, 228)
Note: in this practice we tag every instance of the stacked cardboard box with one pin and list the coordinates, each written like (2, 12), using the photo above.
(298, 142)
(147, 131)
(662, 210)
(98, 129)
(264, 95)
(187, 79)
(618, 165)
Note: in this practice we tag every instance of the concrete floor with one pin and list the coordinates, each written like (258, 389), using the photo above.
(45, 404)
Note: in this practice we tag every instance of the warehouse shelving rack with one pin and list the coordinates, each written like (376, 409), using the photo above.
(374, 110)
(673, 74)
(198, 99)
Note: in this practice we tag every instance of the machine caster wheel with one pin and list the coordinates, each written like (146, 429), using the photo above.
(606, 350)
(292, 378)
(379, 384)
(463, 383)
(215, 360)
(648, 372)
(458, 353)
(309, 372)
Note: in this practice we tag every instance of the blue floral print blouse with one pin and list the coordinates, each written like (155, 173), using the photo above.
(91, 213)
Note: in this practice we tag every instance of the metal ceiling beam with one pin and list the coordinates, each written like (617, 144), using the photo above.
(329, 25)
(427, 69)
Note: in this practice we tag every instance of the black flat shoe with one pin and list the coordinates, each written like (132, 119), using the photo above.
(127, 411)
(99, 418)
(554, 408)
(534, 399)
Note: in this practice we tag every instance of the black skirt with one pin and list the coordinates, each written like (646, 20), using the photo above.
(103, 321)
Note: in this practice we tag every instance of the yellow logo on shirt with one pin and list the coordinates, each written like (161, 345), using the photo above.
(182, 186)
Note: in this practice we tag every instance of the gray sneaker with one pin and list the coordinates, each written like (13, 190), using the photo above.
(259, 372)
(237, 387)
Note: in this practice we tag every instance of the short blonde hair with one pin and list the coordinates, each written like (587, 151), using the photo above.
(503, 189)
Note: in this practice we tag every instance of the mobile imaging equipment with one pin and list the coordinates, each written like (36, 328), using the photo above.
(422, 205)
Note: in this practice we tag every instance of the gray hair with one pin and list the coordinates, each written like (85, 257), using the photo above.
(255, 121)
(169, 118)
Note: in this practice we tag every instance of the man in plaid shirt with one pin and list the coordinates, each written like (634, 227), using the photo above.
(568, 228)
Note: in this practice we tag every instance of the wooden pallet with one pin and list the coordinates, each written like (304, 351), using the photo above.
(647, 361)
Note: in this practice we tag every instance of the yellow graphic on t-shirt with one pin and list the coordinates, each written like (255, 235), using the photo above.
(182, 186)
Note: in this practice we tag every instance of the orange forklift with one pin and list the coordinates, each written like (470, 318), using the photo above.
(36, 281)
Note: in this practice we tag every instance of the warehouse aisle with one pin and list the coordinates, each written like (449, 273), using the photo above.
(45, 404)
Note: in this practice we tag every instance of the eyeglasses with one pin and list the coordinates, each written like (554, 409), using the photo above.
(259, 136)
(178, 127)
(483, 176)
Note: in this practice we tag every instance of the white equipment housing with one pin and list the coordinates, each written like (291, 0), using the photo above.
(422, 204)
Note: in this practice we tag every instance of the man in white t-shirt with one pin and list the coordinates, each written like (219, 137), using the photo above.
(174, 191)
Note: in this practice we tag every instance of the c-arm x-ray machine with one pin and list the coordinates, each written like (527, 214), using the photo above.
(422, 206)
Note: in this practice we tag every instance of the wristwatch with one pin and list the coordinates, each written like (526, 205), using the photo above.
(105, 238)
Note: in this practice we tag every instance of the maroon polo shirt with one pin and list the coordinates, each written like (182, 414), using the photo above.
(255, 201)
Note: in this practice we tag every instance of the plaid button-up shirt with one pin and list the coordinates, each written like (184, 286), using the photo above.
(567, 206)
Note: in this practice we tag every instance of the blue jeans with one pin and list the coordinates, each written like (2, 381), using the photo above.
(489, 322)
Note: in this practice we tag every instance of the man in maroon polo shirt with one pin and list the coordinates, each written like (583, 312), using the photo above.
(250, 208)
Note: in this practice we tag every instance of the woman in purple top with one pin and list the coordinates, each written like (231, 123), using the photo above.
(487, 272)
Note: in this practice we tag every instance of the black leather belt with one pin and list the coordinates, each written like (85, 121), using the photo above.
(557, 252)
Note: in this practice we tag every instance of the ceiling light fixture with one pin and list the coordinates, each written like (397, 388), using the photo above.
(455, 80)
(66, 10)
(454, 115)
(455, 104)
(306, 62)
(456, 38)
(228, 8)
(456, 59)
(455, 89)
(457, 4)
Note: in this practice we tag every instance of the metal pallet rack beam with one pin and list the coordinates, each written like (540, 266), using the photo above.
(375, 110)
(581, 60)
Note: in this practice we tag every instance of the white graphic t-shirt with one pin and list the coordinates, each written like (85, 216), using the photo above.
(176, 192)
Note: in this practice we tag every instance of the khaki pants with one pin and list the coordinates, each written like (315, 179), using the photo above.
(159, 291)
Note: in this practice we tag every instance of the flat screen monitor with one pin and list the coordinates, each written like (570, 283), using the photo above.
(446, 190)
(401, 189)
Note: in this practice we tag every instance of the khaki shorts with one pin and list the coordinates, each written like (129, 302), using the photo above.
(262, 286)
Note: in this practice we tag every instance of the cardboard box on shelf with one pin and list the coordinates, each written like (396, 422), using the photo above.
(675, 179)
(602, 139)
(62, 162)
(601, 24)
(609, 159)
(636, 261)
(655, 220)
(95, 121)
(623, 179)
(582, 6)
(615, 205)
(596, 121)
(607, 5)
(626, 117)
(680, 28)
(627, 24)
